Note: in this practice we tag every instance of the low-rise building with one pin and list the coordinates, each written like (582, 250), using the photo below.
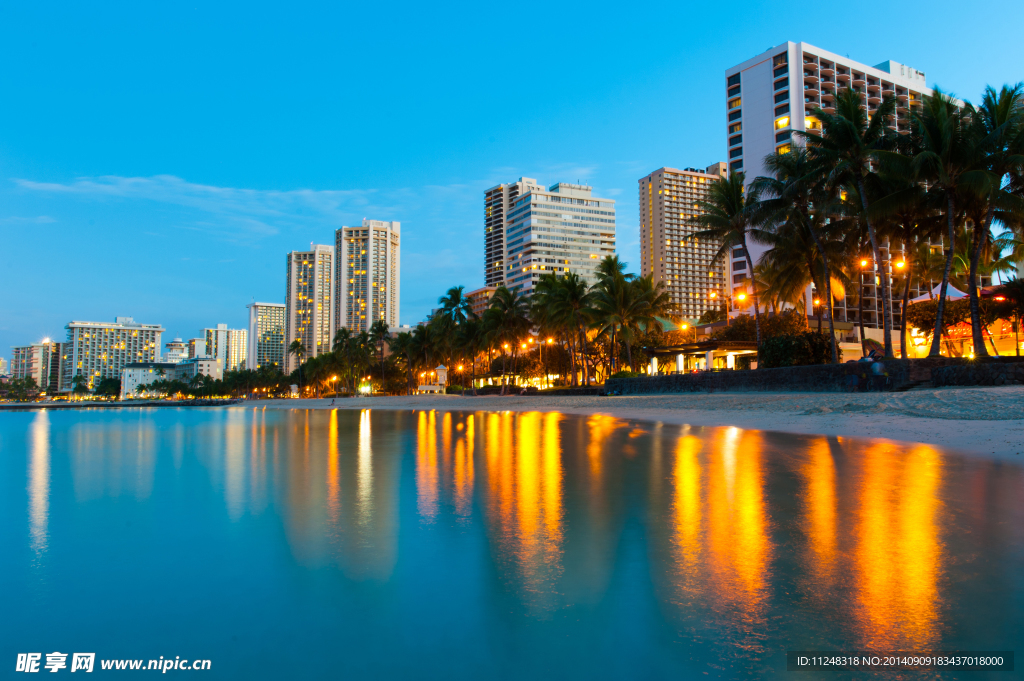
(143, 373)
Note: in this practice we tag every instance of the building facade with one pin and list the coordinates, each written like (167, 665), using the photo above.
(229, 346)
(175, 351)
(266, 335)
(561, 229)
(309, 308)
(773, 95)
(42, 362)
(135, 374)
(669, 197)
(99, 350)
(480, 299)
(368, 267)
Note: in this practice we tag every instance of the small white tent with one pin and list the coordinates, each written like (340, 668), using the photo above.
(951, 294)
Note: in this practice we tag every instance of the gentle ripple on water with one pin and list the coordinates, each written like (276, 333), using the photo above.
(309, 544)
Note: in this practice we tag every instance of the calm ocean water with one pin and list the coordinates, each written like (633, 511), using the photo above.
(420, 545)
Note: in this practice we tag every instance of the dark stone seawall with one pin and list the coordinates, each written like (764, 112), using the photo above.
(984, 373)
(898, 374)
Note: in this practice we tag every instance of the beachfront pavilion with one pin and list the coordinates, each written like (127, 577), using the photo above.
(681, 358)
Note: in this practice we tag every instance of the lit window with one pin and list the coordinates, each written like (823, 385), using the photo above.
(781, 123)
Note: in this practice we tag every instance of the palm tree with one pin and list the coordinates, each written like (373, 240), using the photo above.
(379, 331)
(848, 150)
(796, 198)
(945, 157)
(508, 317)
(298, 350)
(572, 305)
(997, 134)
(455, 306)
(470, 338)
(726, 217)
(401, 344)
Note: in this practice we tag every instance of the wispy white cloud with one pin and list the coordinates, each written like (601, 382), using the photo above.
(37, 220)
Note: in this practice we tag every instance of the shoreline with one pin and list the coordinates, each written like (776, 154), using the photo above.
(974, 421)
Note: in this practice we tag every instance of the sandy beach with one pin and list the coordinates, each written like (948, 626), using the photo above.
(981, 421)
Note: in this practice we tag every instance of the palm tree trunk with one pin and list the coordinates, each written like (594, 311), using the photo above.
(753, 294)
(860, 314)
(903, 317)
(884, 275)
(629, 355)
(586, 368)
(828, 295)
(937, 336)
(980, 237)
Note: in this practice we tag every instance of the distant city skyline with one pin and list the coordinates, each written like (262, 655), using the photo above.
(214, 184)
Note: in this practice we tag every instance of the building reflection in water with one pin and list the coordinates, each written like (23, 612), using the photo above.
(108, 460)
(39, 482)
(751, 538)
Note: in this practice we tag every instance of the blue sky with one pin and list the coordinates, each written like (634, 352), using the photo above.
(159, 159)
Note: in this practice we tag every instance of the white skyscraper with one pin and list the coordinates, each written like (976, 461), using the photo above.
(368, 267)
(561, 229)
(228, 346)
(770, 96)
(266, 335)
(309, 308)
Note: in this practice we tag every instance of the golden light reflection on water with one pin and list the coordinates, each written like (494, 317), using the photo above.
(39, 481)
(819, 476)
(525, 503)
(856, 527)
(898, 554)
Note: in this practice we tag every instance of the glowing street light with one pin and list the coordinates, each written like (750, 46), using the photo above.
(900, 265)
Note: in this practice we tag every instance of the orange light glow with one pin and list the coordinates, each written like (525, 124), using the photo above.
(900, 265)
(863, 263)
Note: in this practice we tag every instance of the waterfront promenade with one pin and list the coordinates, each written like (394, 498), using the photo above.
(985, 421)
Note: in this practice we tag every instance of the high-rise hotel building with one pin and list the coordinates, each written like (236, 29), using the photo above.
(227, 346)
(770, 96)
(42, 362)
(266, 335)
(99, 350)
(309, 308)
(561, 229)
(368, 265)
(669, 197)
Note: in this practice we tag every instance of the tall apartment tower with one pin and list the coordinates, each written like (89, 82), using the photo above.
(228, 346)
(368, 268)
(563, 228)
(101, 350)
(770, 96)
(309, 308)
(42, 362)
(266, 335)
(668, 199)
